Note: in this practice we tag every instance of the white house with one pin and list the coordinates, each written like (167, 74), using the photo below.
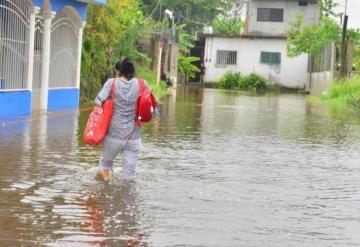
(40, 54)
(261, 48)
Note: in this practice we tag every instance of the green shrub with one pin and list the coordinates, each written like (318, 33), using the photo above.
(229, 81)
(233, 80)
(253, 82)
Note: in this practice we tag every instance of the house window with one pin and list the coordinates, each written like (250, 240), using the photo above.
(303, 2)
(270, 15)
(226, 57)
(271, 58)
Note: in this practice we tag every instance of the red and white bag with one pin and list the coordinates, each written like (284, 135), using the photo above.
(99, 120)
(146, 104)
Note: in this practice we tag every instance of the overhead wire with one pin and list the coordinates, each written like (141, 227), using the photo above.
(159, 3)
(178, 14)
(189, 20)
(166, 30)
(153, 11)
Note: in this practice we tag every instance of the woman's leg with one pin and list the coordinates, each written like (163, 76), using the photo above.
(110, 149)
(131, 154)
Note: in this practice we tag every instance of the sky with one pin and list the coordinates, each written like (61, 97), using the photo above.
(353, 11)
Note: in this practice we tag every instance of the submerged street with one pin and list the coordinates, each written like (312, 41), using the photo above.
(218, 168)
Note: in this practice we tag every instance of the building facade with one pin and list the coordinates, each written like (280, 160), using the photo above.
(40, 54)
(261, 48)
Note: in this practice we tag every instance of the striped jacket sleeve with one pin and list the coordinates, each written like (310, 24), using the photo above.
(104, 93)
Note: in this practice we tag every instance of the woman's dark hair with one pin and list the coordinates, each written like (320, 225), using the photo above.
(125, 68)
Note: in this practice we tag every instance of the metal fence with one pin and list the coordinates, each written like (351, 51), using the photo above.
(14, 43)
(323, 60)
(64, 48)
(38, 45)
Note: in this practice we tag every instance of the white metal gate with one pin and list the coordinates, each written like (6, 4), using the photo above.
(39, 30)
(14, 43)
(64, 48)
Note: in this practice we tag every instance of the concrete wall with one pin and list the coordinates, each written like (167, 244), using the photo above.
(291, 73)
(162, 51)
(320, 82)
(171, 56)
(212, 44)
(291, 11)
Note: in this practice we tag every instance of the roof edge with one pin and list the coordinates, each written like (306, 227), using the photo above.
(93, 1)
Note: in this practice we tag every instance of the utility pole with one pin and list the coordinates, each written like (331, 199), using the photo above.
(344, 43)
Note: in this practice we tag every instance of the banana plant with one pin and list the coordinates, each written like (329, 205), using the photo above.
(186, 67)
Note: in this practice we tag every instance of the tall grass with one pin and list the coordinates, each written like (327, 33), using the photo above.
(344, 94)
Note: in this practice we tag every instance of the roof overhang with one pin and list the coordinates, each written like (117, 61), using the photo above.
(247, 36)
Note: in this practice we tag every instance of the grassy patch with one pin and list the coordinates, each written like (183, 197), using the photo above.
(344, 94)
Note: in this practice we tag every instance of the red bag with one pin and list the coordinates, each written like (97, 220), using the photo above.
(99, 120)
(146, 104)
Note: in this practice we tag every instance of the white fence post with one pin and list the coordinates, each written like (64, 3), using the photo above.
(78, 72)
(46, 61)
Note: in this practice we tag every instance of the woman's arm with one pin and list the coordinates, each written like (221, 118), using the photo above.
(104, 93)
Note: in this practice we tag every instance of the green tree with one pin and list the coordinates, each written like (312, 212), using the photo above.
(311, 38)
(186, 67)
(228, 26)
(195, 13)
(327, 8)
(186, 42)
(110, 34)
(354, 36)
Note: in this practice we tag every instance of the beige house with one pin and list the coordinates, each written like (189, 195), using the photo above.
(261, 48)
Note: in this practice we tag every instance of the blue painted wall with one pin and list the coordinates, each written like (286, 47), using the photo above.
(59, 4)
(63, 99)
(15, 103)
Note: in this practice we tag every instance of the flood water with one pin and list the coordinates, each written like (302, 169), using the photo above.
(217, 169)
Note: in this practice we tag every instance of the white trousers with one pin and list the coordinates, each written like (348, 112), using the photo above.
(130, 150)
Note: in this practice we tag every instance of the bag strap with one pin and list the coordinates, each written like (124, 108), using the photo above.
(113, 89)
(141, 84)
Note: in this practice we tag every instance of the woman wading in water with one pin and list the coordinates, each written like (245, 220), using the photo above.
(124, 136)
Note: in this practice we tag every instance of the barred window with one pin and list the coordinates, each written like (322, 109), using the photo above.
(303, 2)
(270, 15)
(226, 57)
(271, 58)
